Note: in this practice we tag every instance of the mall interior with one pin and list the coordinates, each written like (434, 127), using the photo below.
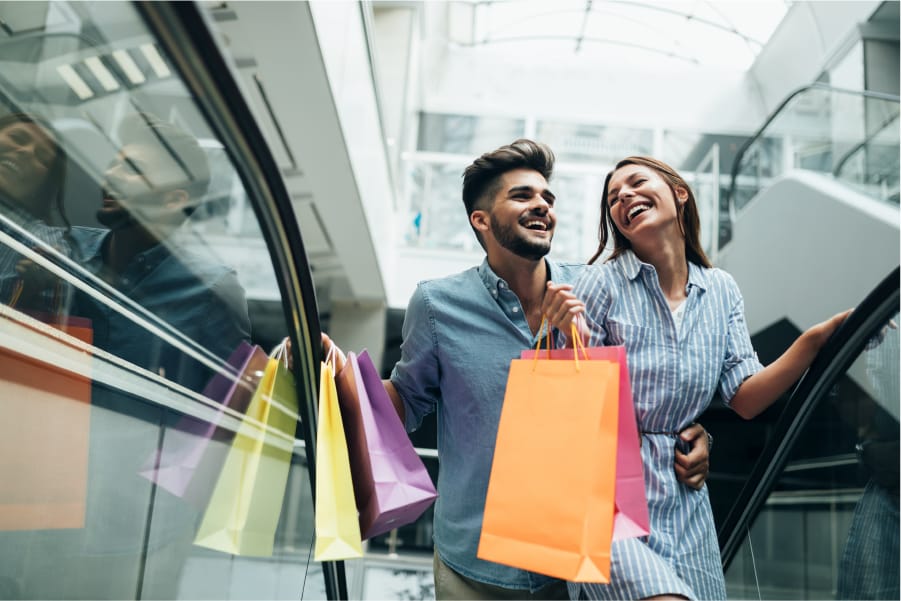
(282, 169)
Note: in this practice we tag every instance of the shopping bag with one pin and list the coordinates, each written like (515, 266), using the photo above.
(391, 484)
(243, 512)
(549, 505)
(44, 448)
(631, 503)
(186, 464)
(336, 523)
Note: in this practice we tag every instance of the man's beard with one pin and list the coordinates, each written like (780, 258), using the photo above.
(509, 238)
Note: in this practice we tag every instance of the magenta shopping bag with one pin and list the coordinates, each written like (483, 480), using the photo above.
(186, 464)
(630, 518)
(391, 484)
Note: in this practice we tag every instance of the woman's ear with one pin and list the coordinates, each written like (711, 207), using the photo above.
(681, 195)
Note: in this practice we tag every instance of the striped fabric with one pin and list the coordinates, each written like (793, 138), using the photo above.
(35, 233)
(675, 373)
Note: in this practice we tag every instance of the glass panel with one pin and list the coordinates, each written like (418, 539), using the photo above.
(466, 134)
(598, 144)
(133, 279)
(829, 529)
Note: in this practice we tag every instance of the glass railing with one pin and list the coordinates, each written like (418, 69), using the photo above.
(818, 517)
(149, 258)
(850, 135)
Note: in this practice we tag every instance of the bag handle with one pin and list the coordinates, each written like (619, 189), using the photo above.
(578, 344)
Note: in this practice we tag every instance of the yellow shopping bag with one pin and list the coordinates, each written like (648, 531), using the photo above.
(337, 523)
(243, 512)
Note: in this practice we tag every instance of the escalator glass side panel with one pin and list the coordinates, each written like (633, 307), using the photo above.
(139, 301)
(828, 528)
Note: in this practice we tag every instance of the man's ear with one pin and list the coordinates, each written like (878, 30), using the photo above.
(480, 220)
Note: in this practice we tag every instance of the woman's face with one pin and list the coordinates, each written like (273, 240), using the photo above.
(642, 203)
(27, 154)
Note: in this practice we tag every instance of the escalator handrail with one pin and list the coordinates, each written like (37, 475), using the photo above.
(739, 156)
(185, 35)
(840, 164)
(836, 356)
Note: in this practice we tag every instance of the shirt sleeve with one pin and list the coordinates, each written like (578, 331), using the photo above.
(740, 360)
(416, 377)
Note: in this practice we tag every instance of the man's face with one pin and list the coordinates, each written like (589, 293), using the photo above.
(137, 185)
(522, 217)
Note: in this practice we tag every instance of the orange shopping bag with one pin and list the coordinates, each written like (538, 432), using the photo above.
(44, 450)
(549, 507)
(630, 518)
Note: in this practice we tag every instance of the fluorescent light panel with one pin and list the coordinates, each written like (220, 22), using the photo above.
(76, 83)
(156, 61)
(102, 74)
(128, 66)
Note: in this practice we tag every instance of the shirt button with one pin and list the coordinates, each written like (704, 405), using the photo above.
(516, 309)
(502, 285)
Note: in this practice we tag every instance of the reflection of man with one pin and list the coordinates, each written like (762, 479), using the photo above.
(137, 538)
(460, 334)
(149, 190)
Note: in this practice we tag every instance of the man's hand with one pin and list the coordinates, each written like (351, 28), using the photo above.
(328, 345)
(692, 468)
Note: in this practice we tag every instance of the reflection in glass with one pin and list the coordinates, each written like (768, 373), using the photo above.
(829, 529)
(131, 268)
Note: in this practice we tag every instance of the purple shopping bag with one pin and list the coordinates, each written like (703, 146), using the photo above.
(391, 484)
(186, 464)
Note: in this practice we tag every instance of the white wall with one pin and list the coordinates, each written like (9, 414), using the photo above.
(808, 247)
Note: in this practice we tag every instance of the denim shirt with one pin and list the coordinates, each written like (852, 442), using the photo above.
(460, 334)
(199, 298)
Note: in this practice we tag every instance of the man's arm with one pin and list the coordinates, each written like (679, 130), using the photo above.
(693, 467)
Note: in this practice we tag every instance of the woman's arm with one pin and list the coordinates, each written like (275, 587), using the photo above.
(762, 389)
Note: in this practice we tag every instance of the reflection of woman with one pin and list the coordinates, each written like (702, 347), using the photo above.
(682, 322)
(32, 172)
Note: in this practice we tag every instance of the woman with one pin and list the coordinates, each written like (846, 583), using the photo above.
(32, 172)
(682, 322)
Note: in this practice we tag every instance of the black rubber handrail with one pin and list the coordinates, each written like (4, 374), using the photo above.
(833, 360)
(739, 156)
(183, 33)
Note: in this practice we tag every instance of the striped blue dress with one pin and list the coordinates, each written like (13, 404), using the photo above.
(675, 373)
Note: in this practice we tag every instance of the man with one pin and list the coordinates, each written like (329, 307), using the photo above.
(460, 334)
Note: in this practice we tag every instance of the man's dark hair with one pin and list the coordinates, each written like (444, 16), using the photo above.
(148, 129)
(481, 179)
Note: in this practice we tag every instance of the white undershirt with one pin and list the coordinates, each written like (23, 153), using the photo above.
(678, 315)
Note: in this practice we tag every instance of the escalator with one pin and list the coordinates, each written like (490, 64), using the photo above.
(818, 516)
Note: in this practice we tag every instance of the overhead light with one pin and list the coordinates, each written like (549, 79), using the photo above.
(76, 83)
(128, 66)
(156, 61)
(102, 74)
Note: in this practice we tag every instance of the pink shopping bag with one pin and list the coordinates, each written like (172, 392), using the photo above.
(187, 465)
(391, 484)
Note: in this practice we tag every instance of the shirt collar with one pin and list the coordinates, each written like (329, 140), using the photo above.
(631, 266)
(149, 258)
(493, 282)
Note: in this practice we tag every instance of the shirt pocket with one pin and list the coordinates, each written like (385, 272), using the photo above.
(633, 337)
